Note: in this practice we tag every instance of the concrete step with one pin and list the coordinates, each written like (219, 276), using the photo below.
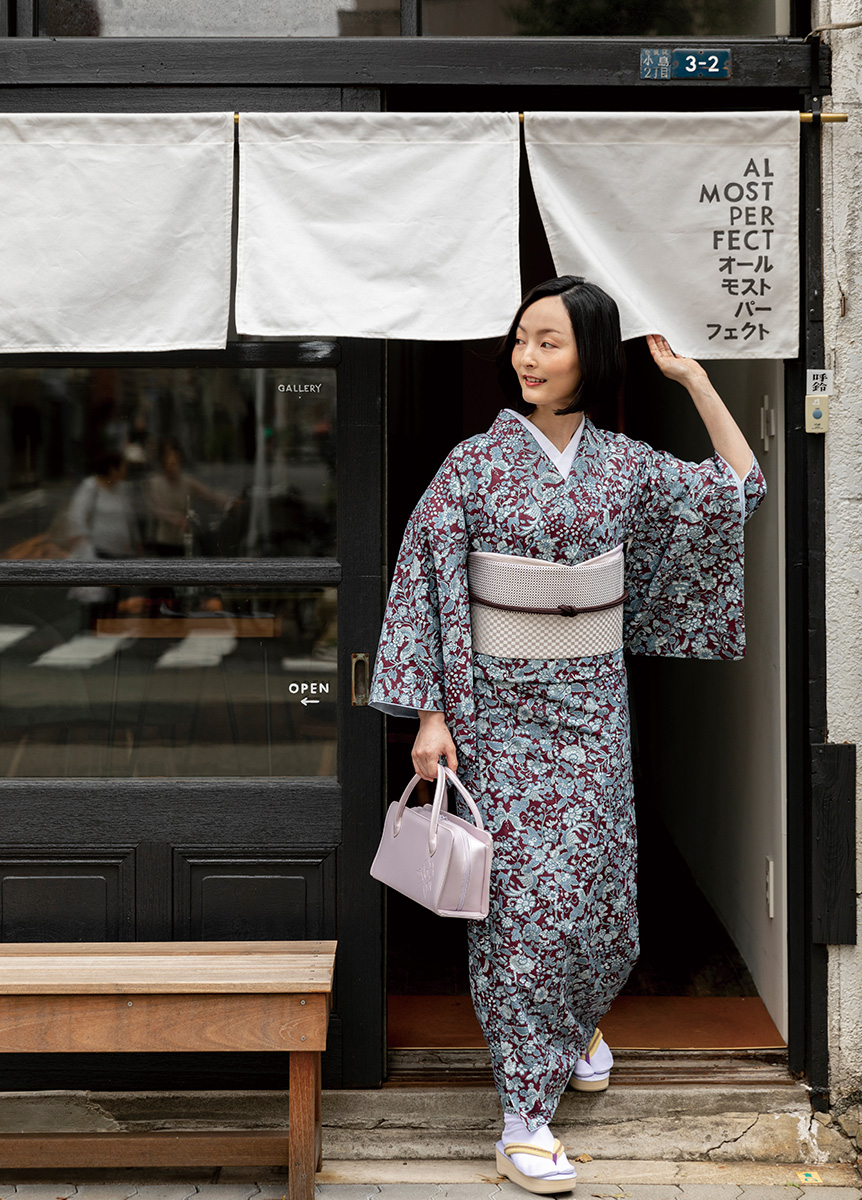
(677, 1109)
(679, 1122)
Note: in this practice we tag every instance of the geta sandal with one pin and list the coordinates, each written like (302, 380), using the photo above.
(538, 1185)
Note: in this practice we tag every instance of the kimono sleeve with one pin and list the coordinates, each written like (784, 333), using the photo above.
(424, 652)
(685, 563)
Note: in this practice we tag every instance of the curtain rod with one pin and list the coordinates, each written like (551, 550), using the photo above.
(805, 117)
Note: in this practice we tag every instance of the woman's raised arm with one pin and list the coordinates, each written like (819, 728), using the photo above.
(724, 433)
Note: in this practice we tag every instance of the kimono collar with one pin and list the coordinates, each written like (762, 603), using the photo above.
(562, 459)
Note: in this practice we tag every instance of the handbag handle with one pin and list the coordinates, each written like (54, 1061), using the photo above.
(444, 775)
(465, 796)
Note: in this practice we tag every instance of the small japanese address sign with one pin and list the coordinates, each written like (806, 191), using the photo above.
(665, 63)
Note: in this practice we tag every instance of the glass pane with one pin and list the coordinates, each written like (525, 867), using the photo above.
(600, 18)
(127, 462)
(219, 18)
(99, 682)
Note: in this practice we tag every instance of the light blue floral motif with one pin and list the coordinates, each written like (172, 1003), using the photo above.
(544, 745)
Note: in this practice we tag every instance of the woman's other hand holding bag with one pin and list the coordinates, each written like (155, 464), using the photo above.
(433, 741)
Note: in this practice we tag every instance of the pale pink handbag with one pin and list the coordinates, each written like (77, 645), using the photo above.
(435, 858)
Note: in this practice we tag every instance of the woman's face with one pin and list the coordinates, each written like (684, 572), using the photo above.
(171, 462)
(545, 355)
(115, 474)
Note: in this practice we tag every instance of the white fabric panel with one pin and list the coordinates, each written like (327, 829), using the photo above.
(381, 225)
(116, 231)
(689, 220)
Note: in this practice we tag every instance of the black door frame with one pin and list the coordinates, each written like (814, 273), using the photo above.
(190, 75)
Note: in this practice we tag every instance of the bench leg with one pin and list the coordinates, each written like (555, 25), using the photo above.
(303, 1101)
(318, 1123)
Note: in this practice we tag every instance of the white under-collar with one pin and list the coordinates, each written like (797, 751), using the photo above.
(562, 459)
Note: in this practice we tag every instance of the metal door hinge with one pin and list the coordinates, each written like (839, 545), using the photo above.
(768, 423)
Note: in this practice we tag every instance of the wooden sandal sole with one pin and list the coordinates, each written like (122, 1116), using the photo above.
(589, 1085)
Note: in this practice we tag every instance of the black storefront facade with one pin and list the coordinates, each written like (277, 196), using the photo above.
(278, 855)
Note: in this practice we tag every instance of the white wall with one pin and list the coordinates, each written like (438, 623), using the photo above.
(721, 761)
(842, 242)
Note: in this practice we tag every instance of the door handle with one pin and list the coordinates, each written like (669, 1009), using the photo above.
(359, 682)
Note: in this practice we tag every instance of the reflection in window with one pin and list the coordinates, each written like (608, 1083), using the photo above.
(599, 18)
(219, 18)
(121, 463)
(101, 682)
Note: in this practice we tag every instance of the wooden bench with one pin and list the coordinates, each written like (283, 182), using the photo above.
(146, 997)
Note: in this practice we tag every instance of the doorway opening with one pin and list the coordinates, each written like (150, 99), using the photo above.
(708, 737)
(708, 747)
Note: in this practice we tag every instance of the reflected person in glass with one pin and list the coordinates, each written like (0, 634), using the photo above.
(101, 519)
(169, 495)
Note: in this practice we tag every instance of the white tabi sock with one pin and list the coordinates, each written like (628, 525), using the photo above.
(514, 1130)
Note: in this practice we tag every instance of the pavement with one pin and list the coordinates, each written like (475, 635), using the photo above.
(451, 1180)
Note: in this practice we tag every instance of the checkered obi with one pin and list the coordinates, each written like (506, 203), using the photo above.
(527, 608)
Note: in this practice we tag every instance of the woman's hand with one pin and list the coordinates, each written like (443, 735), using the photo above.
(726, 437)
(673, 366)
(432, 741)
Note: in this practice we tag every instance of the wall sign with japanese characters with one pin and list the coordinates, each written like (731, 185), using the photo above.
(689, 220)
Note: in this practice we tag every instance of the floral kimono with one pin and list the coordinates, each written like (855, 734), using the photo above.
(544, 745)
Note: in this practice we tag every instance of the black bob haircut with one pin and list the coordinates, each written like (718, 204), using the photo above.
(595, 322)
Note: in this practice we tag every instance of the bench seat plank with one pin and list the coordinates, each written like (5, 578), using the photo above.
(131, 974)
(248, 949)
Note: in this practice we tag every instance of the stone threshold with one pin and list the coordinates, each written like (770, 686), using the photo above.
(635, 1068)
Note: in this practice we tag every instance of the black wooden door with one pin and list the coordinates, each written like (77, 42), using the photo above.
(184, 748)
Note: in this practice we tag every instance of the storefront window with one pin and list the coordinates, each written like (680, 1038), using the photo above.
(444, 18)
(219, 462)
(102, 682)
(603, 18)
(219, 18)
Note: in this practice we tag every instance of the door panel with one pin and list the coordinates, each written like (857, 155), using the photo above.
(80, 898)
(198, 713)
(243, 897)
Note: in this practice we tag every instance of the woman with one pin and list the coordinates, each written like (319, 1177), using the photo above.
(542, 739)
(101, 519)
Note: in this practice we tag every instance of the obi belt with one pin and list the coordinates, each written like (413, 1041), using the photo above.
(527, 608)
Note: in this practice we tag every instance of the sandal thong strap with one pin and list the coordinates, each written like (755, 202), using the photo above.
(520, 1148)
(595, 1042)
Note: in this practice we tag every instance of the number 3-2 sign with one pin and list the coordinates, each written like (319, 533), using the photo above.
(700, 64)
